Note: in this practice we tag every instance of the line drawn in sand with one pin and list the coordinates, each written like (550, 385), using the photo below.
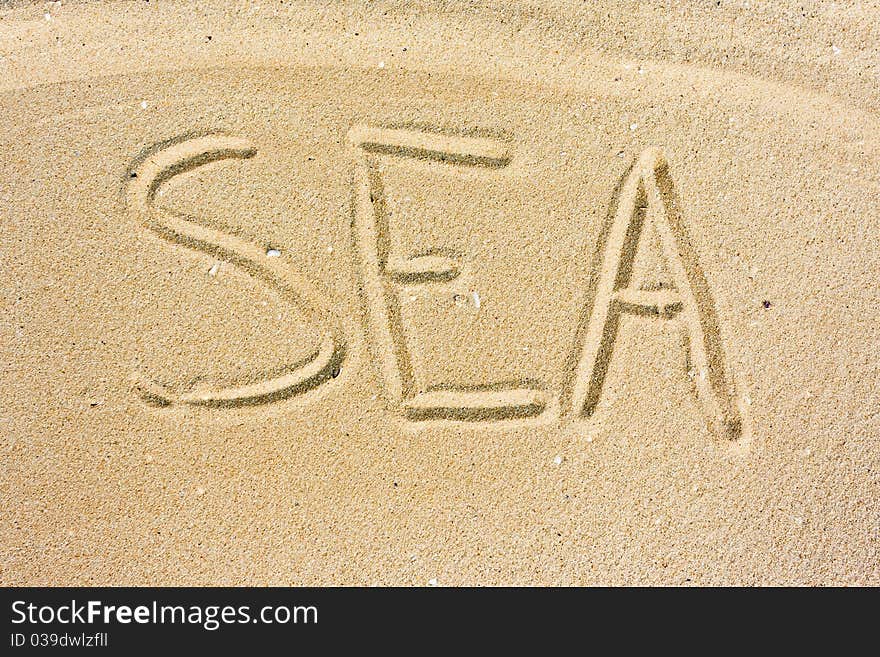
(647, 267)
(146, 175)
(385, 275)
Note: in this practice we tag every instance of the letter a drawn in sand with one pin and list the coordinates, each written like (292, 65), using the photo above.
(146, 175)
(648, 268)
(385, 274)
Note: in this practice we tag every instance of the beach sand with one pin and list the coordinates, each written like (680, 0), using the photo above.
(439, 293)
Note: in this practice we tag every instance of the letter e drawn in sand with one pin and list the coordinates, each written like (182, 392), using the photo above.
(146, 175)
(384, 275)
(647, 218)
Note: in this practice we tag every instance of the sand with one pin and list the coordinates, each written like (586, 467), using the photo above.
(437, 293)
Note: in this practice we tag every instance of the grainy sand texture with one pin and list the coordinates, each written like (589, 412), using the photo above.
(447, 293)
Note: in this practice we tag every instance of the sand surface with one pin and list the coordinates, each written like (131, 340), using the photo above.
(440, 293)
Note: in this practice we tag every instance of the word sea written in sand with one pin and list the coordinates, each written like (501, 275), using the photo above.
(644, 266)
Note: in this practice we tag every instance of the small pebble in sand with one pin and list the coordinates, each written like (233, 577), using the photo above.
(143, 104)
(633, 126)
(558, 460)
(432, 581)
(835, 50)
(273, 253)
(381, 64)
(214, 269)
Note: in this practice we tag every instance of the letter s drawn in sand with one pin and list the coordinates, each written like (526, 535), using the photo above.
(647, 214)
(146, 175)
